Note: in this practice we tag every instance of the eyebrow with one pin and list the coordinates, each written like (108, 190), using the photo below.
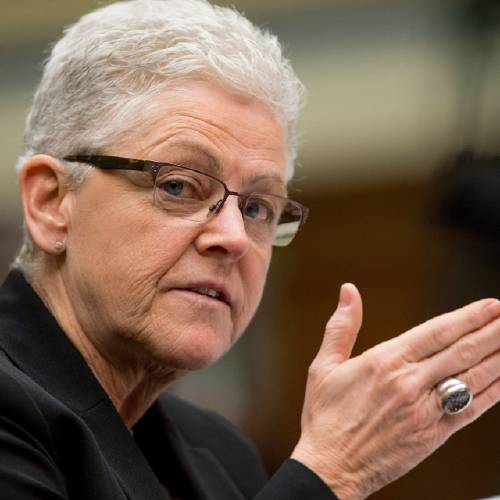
(213, 163)
(272, 178)
(215, 167)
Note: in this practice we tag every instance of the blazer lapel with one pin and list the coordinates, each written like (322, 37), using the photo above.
(122, 453)
(34, 341)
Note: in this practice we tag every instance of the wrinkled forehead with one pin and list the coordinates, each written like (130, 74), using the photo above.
(227, 134)
(196, 155)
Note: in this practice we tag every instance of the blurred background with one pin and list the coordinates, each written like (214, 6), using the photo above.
(399, 167)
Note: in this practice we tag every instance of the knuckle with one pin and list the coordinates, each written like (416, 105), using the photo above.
(387, 364)
(440, 336)
(408, 387)
(379, 354)
(375, 365)
(467, 351)
(314, 371)
(394, 375)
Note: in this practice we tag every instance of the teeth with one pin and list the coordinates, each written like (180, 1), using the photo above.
(207, 291)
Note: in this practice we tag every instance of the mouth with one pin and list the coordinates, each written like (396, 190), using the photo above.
(213, 292)
(210, 292)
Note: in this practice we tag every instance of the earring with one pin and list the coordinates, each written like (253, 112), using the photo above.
(59, 246)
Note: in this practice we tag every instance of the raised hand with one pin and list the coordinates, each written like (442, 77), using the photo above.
(370, 419)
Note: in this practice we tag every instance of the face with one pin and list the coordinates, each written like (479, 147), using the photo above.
(136, 276)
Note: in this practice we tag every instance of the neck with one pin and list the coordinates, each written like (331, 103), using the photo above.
(132, 391)
(131, 383)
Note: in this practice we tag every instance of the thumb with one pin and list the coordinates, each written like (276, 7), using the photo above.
(343, 326)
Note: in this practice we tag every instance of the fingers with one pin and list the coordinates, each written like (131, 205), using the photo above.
(464, 344)
(342, 328)
(478, 379)
(466, 353)
(439, 333)
(482, 375)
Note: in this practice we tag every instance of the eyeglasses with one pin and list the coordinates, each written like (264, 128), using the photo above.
(193, 195)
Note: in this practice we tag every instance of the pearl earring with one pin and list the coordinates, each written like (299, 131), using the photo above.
(59, 246)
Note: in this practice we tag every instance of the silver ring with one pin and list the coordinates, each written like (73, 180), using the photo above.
(455, 396)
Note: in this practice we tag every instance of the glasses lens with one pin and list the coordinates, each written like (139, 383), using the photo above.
(271, 219)
(193, 195)
(289, 224)
(186, 193)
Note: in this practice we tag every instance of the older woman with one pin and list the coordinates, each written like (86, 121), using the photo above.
(153, 182)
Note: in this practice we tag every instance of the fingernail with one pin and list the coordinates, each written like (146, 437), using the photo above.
(344, 297)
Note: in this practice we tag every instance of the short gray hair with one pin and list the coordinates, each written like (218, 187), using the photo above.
(115, 60)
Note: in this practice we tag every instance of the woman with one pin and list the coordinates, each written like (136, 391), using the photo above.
(153, 184)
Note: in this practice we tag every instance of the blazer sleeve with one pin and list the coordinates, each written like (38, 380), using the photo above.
(27, 469)
(294, 481)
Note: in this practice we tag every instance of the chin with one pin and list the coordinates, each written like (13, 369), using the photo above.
(197, 357)
(193, 348)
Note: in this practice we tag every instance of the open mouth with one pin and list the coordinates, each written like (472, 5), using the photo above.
(214, 294)
(206, 288)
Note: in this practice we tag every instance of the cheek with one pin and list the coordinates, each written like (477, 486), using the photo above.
(118, 258)
(254, 275)
(127, 235)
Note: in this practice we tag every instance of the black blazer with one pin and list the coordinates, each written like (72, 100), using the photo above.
(61, 437)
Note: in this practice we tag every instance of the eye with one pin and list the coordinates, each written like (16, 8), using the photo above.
(184, 186)
(179, 188)
(174, 187)
(260, 209)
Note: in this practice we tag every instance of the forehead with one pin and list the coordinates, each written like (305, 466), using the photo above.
(235, 136)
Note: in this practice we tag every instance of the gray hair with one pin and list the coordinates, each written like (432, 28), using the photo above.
(114, 61)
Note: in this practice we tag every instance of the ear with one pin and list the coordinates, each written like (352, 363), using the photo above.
(42, 183)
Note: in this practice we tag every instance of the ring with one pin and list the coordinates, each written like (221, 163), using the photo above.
(455, 396)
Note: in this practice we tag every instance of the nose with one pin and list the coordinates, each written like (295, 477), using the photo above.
(224, 232)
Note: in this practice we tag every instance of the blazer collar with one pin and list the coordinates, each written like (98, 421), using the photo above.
(35, 342)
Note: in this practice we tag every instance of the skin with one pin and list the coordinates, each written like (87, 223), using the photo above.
(114, 289)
